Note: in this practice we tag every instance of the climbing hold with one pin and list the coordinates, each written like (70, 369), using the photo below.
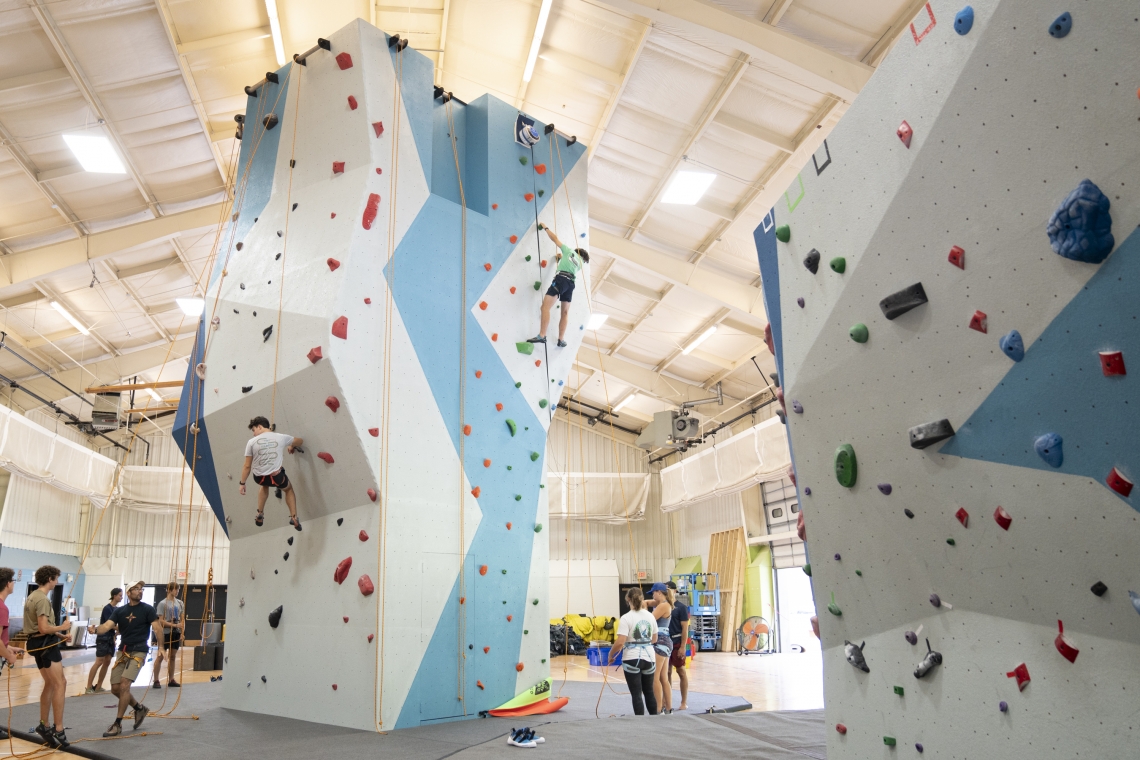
(900, 691)
(537, 529)
(800, 302)
(334, 687)
(541, 192)
(340, 521)
(1021, 673)
(538, 285)
(466, 430)
(957, 257)
(378, 127)
(1002, 518)
(512, 427)
(332, 402)
(538, 362)
(509, 617)
(476, 491)
(352, 102)
(542, 403)
(885, 489)
(486, 650)
(979, 322)
(344, 60)
(486, 462)
(1003, 706)
(1135, 598)
(1099, 588)
(908, 513)
(846, 467)
(514, 238)
(338, 167)
(837, 556)
(487, 266)
(371, 496)
(542, 263)
(246, 388)
(838, 264)
(534, 458)
(535, 601)
(783, 233)
(905, 133)
(841, 728)
(333, 264)
(483, 305)
(807, 569)
(964, 21)
(1112, 363)
(289, 540)
(540, 168)
(518, 497)
(528, 197)
(286, 557)
(936, 601)
(340, 328)
(332, 215)
(270, 121)
(1061, 26)
(1119, 483)
(811, 261)
(325, 456)
(1081, 227)
(951, 541)
(929, 662)
(370, 210)
(365, 585)
(1064, 646)
(343, 567)
(854, 655)
(363, 535)
(858, 332)
(963, 516)
(930, 433)
(462, 599)
(519, 667)
(275, 620)
(478, 373)
(374, 432)
(525, 348)
(479, 684)
(889, 741)
(200, 370)
(797, 407)
(1048, 447)
(807, 491)
(345, 618)
(1012, 345)
(482, 570)
(911, 637)
(833, 608)
(899, 303)
(498, 407)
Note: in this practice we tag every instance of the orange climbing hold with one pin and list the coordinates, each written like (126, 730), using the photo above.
(486, 462)
(466, 430)
(352, 102)
(487, 266)
(478, 373)
(340, 328)
(483, 305)
(514, 238)
(486, 650)
(370, 210)
(374, 432)
(508, 526)
(378, 127)
(519, 667)
(344, 60)
(512, 290)
(494, 205)
(479, 684)
(498, 407)
(332, 402)
(476, 491)
(315, 354)
(325, 457)
(528, 197)
(494, 336)
(540, 168)
(462, 599)
(510, 618)
(333, 264)
(379, 170)
(482, 570)
(543, 263)
(538, 362)
(372, 496)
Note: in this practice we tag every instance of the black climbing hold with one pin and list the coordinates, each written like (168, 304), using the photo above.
(964, 21)
(246, 388)
(242, 286)
(922, 436)
(1081, 227)
(1099, 588)
(255, 314)
(280, 233)
(266, 333)
(263, 679)
(290, 541)
(899, 303)
(854, 655)
(470, 646)
(270, 121)
(295, 205)
(541, 192)
(277, 257)
(275, 572)
(275, 620)
(1061, 26)
(908, 513)
(929, 662)
(292, 163)
(236, 311)
(340, 521)
(811, 261)
(238, 246)
(286, 557)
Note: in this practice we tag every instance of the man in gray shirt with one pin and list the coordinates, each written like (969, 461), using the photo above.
(172, 615)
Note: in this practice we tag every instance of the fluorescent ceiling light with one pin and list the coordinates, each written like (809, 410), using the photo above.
(687, 187)
(66, 315)
(621, 404)
(275, 28)
(155, 395)
(191, 307)
(536, 43)
(596, 321)
(95, 154)
(699, 340)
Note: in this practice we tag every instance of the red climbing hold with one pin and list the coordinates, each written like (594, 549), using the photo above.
(1064, 646)
(514, 238)
(333, 264)
(510, 618)
(1021, 673)
(334, 687)
(486, 650)
(538, 362)
(370, 210)
(370, 637)
(325, 456)
(315, 355)
(512, 290)
(494, 205)
(340, 328)
(486, 462)
(1119, 483)
(482, 570)
(344, 60)
(508, 526)
(466, 430)
(332, 215)
(963, 516)
(978, 322)
(332, 402)
(478, 373)
(494, 336)
(841, 728)
(479, 684)
(957, 257)
(768, 339)
(476, 491)
(352, 102)
(519, 667)
(1112, 363)
(1002, 518)
(483, 305)
(378, 127)
(543, 263)
(498, 407)
(374, 432)
(372, 496)
(342, 569)
(905, 133)
(487, 266)
(346, 618)
(338, 167)
(367, 301)
(528, 197)
(365, 585)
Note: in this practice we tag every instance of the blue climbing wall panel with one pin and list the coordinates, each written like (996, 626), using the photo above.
(196, 446)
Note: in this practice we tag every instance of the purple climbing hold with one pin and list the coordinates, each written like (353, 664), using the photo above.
(1048, 447)
(885, 489)
(797, 407)
(837, 556)
(1003, 706)
(800, 301)
(918, 747)
(935, 600)
(911, 637)
(807, 491)
(1081, 227)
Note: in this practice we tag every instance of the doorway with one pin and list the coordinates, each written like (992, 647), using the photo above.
(796, 606)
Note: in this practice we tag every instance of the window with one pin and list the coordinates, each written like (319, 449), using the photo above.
(777, 512)
(795, 508)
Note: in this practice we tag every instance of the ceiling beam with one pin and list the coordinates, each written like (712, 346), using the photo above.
(773, 49)
(644, 315)
(680, 350)
(63, 171)
(615, 96)
(645, 380)
(176, 244)
(24, 161)
(33, 80)
(130, 291)
(79, 316)
(122, 388)
(876, 54)
(578, 65)
(745, 127)
(154, 266)
(635, 287)
(777, 11)
(222, 40)
(22, 299)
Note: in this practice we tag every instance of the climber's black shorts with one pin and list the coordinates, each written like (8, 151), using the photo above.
(561, 287)
(275, 480)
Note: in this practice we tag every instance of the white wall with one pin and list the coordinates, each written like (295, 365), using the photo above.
(581, 587)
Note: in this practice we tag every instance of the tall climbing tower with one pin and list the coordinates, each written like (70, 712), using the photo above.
(381, 264)
(952, 291)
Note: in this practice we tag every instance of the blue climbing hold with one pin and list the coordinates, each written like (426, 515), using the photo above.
(1135, 600)
(1081, 227)
(1012, 345)
(1061, 25)
(964, 21)
(1048, 447)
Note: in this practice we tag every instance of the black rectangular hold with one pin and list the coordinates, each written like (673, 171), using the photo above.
(922, 436)
(897, 304)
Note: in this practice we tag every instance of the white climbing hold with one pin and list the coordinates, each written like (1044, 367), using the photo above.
(200, 370)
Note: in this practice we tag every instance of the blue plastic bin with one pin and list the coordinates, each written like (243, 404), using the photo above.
(599, 655)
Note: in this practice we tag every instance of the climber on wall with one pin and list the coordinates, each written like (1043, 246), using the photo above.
(265, 457)
(561, 287)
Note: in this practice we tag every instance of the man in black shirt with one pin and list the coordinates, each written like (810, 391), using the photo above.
(679, 632)
(135, 620)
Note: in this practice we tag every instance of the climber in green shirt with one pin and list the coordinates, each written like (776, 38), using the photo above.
(561, 287)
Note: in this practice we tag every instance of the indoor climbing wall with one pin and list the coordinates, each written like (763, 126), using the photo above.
(952, 291)
(373, 293)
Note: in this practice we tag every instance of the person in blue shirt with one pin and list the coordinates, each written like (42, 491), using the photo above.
(561, 287)
(104, 646)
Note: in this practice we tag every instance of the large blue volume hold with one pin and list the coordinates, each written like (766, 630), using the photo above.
(964, 21)
(1048, 447)
(1012, 345)
(1081, 227)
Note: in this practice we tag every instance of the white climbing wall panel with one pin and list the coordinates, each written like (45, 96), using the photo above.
(1007, 120)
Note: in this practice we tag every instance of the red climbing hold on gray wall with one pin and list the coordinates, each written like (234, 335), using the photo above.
(372, 496)
(332, 402)
(344, 60)
(325, 456)
(342, 569)
(363, 535)
(979, 322)
(333, 264)
(378, 127)
(315, 355)
(1112, 363)
(957, 257)
(370, 210)
(905, 133)
(352, 102)
(1021, 673)
(1119, 483)
(338, 167)
(1002, 518)
(365, 585)
(340, 328)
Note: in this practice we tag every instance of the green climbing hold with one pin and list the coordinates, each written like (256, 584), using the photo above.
(504, 601)
(534, 456)
(838, 264)
(899, 690)
(535, 602)
(544, 660)
(859, 333)
(541, 192)
(846, 468)
(525, 631)
(542, 485)
(950, 541)
(859, 573)
(889, 741)
(528, 257)
(538, 527)
(504, 573)
(538, 284)
(519, 385)
(511, 423)
(522, 160)
(525, 348)
(518, 497)
(542, 403)
(783, 233)
(833, 608)
(509, 467)
(807, 569)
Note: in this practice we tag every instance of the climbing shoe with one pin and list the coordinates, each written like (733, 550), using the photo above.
(45, 733)
(173, 685)
(259, 520)
(59, 739)
(537, 339)
(562, 344)
(295, 522)
(140, 714)
(115, 729)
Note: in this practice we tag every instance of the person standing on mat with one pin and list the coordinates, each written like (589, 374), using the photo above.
(104, 646)
(679, 634)
(561, 287)
(7, 586)
(43, 642)
(265, 457)
(637, 633)
(134, 620)
(663, 649)
(170, 614)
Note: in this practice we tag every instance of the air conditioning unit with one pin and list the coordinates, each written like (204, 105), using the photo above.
(671, 429)
(105, 412)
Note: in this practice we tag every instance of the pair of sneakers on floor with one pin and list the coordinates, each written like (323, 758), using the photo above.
(524, 737)
(170, 684)
(140, 711)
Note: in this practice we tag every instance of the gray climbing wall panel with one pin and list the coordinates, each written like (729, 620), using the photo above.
(1006, 121)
